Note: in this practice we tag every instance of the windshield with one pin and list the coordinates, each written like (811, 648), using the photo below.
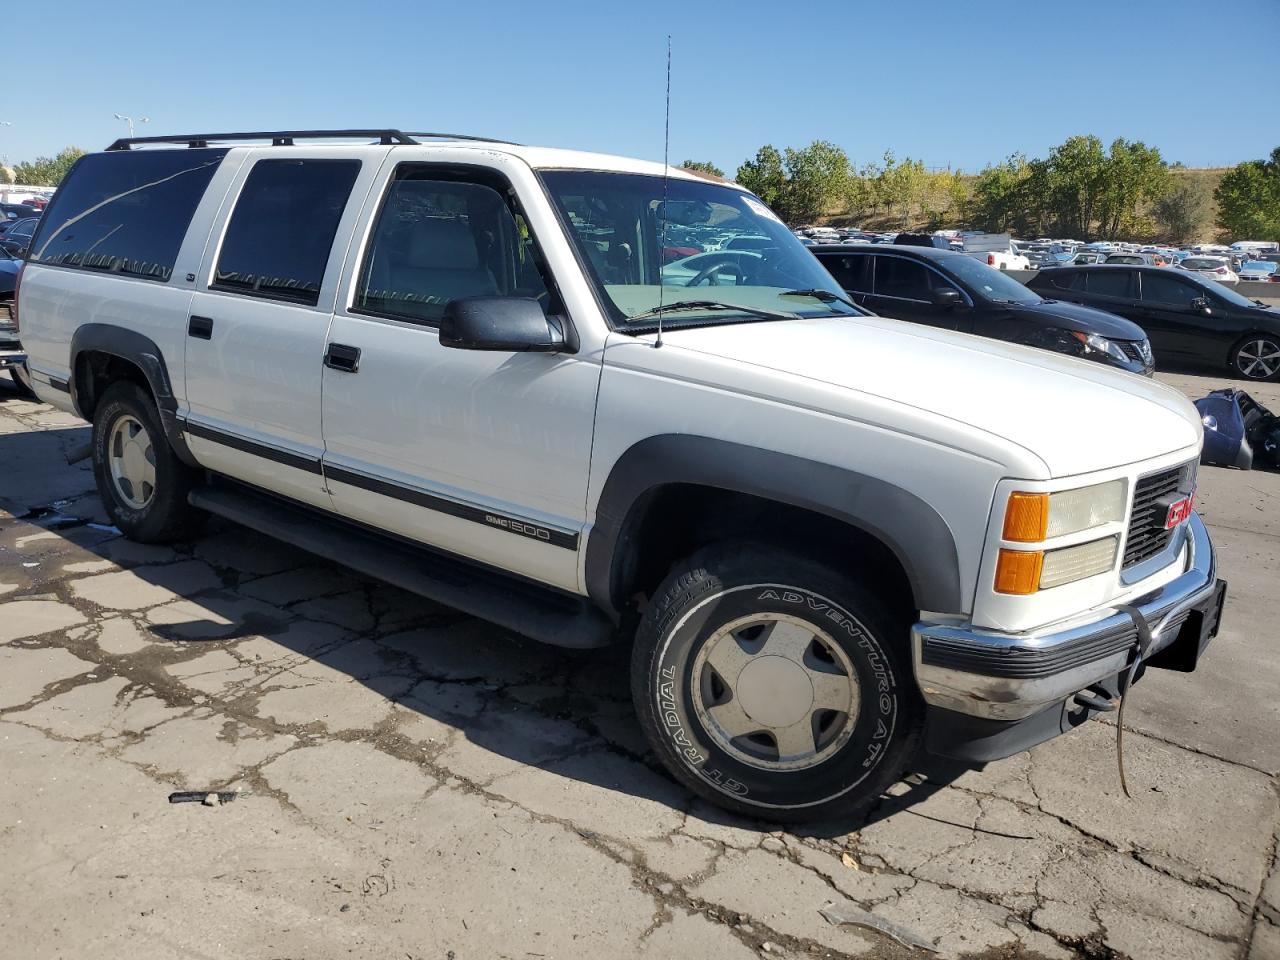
(987, 281)
(720, 245)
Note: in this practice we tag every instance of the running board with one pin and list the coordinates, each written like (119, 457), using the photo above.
(538, 612)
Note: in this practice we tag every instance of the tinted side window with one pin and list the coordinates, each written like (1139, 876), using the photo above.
(125, 212)
(849, 269)
(278, 241)
(902, 278)
(439, 240)
(1065, 279)
(1164, 289)
(1110, 283)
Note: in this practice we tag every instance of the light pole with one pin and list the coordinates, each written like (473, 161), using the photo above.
(129, 121)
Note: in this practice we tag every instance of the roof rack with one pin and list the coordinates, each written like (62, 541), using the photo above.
(286, 138)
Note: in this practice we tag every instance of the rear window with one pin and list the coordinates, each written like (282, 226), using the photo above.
(277, 244)
(1203, 263)
(125, 212)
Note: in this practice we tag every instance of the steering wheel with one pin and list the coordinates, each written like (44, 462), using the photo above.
(708, 274)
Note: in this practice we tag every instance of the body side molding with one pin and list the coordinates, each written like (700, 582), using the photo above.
(907, 525)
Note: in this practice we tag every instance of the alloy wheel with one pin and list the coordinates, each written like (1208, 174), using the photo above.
(1258, 358)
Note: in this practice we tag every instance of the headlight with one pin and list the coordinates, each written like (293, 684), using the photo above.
(1032, 517)
(1037, 517)
(1094, 345)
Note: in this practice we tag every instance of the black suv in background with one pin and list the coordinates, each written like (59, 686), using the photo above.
(1187, 317)
(954, 291)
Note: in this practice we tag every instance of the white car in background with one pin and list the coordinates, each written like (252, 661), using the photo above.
(1211, 268)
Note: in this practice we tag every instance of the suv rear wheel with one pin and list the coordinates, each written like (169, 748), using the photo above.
(774, 687)
(142, 483)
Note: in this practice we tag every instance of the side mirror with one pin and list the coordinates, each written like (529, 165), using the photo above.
(1202, 304)
(508, 324)
(947, 297)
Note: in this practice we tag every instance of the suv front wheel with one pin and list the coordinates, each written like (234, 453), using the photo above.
(142, 483)
(773, 686)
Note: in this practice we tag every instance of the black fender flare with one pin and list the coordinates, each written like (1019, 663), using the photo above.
(913, 530)
(144, 354)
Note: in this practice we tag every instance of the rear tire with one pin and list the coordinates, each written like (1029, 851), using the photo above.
(142, 483)
(775, 687)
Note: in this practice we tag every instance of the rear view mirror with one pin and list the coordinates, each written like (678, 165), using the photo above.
(508, 324)
(946, 297)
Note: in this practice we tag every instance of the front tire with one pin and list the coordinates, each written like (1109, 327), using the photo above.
(774, 687)
(142, 483)
(1257, 357)
(22, 380)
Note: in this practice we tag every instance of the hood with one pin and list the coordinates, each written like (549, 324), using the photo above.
(8, 274)
(1074, 316)
(1073, 415)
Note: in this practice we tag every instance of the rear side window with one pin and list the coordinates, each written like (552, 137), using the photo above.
(1110, 283)
(278, 240)
(125, 212)
(850, 270)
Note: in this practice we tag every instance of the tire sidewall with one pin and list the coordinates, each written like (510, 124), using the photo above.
(862, 764)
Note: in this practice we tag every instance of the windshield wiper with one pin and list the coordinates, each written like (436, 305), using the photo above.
(712, 305)
(826, 296)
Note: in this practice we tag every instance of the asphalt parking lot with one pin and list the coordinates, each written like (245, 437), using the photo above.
(418, 784)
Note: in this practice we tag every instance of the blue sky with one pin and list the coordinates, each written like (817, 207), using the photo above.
(955, 83)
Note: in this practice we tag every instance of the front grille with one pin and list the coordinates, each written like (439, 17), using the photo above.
(1130, 348)
(1147, 535)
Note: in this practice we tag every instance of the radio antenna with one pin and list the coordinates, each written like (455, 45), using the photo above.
(666, 168)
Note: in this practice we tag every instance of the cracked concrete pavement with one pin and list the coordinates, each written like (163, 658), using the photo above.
(416, 783)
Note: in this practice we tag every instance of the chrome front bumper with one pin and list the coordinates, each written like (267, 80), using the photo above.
(11, 358)
(1006, 676)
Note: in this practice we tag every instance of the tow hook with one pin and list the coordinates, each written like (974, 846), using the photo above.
(1096, 698)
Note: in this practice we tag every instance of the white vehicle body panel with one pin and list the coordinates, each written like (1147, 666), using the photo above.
(954, 420)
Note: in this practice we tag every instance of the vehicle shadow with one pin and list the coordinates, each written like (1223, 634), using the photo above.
(501, 705)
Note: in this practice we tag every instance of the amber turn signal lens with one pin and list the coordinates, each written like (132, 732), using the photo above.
(1026, 518)
(1018, 571)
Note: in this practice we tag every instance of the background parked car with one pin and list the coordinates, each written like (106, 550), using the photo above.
(1258, 270)
(17, 238)
(1186, 316)
(1211, 268)
(1137, 259)
(942, 288)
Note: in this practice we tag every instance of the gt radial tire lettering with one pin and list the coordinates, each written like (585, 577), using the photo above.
(671, 719)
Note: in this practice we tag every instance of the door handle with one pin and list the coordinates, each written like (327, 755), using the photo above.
(342, 357)
(200, 327)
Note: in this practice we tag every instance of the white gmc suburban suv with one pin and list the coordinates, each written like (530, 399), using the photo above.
(439, 361)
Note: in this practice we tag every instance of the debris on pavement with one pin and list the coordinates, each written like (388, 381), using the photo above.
(844, 911)
(210, 798)
(1238, 430)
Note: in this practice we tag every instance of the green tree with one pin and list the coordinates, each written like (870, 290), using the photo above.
(999, 195)
(703, 166)
(1249, 200)
(764, 176)
(817, 179)
(1183, 212)
(46, 171)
